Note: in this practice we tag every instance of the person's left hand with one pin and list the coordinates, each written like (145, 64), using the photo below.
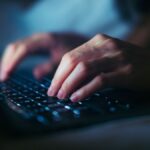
(55, 44)
(101, 62)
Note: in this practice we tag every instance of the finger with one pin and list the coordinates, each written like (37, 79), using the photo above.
(68, 62)
(78, 73)
(64, 69)
(118, 78)
(6, 59)
(43, 69)
(83, 72)
(87, 51)
(29, 46)
(19, 54)
(87, 89)
(38, 41)
(74, 80)
(8, 53)
(16, 52)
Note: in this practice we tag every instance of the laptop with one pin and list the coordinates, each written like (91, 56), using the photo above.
(26, 109)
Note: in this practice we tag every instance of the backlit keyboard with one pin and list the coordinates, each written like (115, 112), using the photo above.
(26, 98)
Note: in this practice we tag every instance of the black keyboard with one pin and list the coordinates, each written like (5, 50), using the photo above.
(28, 109)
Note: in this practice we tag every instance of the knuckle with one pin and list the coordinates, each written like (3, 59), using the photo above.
(83, 92)
(83, 67)
(99, 79)
(11, 46)
(69, 58)
(100, 37)
(128, 69)
(86, 45)
(113, 43)
(23, 47)
(65, 86)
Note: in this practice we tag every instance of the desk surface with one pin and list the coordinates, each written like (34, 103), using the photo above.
(119, 135)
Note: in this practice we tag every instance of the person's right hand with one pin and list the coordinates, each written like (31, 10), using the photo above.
(53, 43)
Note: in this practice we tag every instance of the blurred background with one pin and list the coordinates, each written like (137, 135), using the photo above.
(125, 19)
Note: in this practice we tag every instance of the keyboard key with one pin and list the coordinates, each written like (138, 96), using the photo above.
(42, 119)
(29, 97)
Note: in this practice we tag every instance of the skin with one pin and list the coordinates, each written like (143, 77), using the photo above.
(100, 62)
(48, 43)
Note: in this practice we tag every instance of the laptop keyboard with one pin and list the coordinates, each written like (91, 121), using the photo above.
(27, 97)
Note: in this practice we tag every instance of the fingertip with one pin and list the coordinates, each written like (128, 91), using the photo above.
(61, 94)
(42, 70)
(74, 98)
(51, 91)
(37, 74)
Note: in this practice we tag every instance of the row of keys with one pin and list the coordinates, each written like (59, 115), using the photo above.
(30, 96)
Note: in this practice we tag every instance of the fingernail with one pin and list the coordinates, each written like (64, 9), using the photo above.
(61, 94)
(74, 98)
(51, 91)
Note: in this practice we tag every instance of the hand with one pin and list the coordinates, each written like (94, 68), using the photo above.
(101, 62)
(54, 43)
